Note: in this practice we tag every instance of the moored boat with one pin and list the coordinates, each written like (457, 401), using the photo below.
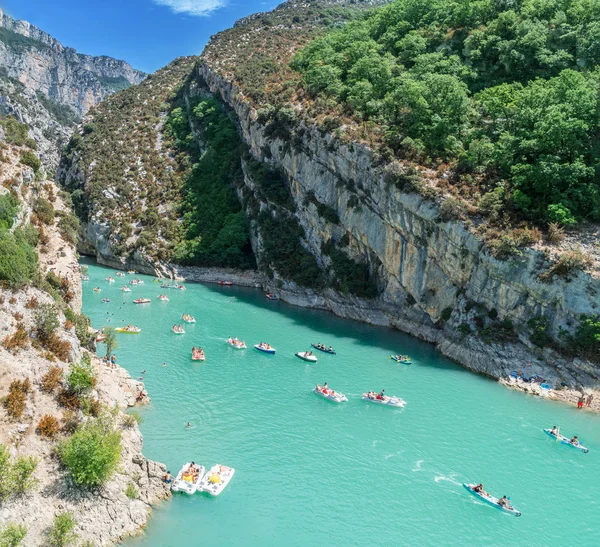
(129, 329)
(236, 344)
(272, 296)
(142, 301)
(404, 359)
(265, 348)
(567, 441)
(324, 349)
(217, 478)
(306, 356)
(330, 394)
(224, 283)
(373, 397)
(189, 478)
(131, 272)
(491, 500)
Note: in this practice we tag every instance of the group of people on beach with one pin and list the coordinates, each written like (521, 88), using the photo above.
(585, 401)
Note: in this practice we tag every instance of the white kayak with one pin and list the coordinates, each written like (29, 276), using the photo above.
(217, 478)
(389, 401)
(493, 501)
(185, 483)
(306, 356)
(567, 441)
(331, 395)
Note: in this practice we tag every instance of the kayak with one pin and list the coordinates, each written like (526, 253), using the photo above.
(269, 350)
(567, 441)
(324, 350)
(389, 401)
(306, 357)
(331, 395)
(125, 330)
(185, 483)
(217, 478)
(491, 500)
(404, 361)
(142, 301)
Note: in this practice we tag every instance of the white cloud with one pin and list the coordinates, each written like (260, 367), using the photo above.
(192, 7)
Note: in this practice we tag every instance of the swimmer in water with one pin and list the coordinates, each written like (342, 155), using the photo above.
(189, 424)
(144, 371)
(164, 364)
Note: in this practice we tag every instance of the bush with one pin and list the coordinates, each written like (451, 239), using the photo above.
(587, 336)
(539, 327)
(61, 533)
(18, 340)
(92, 453)
(44, 211)
(132, 492)
(132, 417)
(60, 348)
(16, 477)
(556, 234)
(48, 426)
(446, 313)
(51, 379)
(451, 209)
(71, 421)
(81, 378)
(15, 403)
(12, 535)
(69, 400)
(46, 321)
(567, 264)
(18, 259)
(30, 159)
(69, 227)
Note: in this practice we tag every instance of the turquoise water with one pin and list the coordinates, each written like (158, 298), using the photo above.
(309, 471)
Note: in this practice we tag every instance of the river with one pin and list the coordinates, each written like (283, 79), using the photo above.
(309, 471)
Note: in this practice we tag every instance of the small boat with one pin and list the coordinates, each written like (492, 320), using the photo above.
(180, 287)
(306, 356)
(224, 283)
(567, 441)
(125, 289)
(106, 300)
(120, 274)
(110, 279)
(217, 478)
(184, 482)
(85, 278)
(142, 301)
(491, 500)
(163, 297)
(97, 289)
(324, 349)
(163, 286)
(178, 329)
(330, 394)
(128, 330)
(139, 282)
(131, 272)
(265, 348)
(100, 337)
(198, 355)
(272, 296)
(188, 318)
(400, 359)
(237, 344)
(156, 281)
(389, 401)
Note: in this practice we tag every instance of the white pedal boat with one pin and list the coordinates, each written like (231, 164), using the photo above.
(126, 289)
(182, 485)
(389, 401)
(217, 478)
(236, 344)
(331, 395)
(306, 356)
(178, 331)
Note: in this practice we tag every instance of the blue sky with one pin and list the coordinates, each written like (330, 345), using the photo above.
(146, 33)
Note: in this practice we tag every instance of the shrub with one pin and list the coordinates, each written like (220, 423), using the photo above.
(567, 264)
(69, 227)
(451, 209)
(44, 211)
(16, 341)
(32, 303)
(556, 233)
(46, 321)
(51, 379)
(132, 492)
(12, 535)
(15, 403)
(91, 407)
(60, 348)
(446, 313)
(92, 453)
(69, 400)
(587, 335)
(129, 421)
(539, 327)
(30, 159)
(70, 421)
(22, 474)
(61, 533)
(18, 259)
(48, 426)
(81, 378)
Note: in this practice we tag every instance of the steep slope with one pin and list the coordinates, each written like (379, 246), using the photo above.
(49, 87)
(45, 346)
(341, 221)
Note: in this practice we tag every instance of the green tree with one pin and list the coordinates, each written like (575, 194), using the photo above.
(110, 341)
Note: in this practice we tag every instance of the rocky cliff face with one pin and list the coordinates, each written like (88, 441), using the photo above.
(435, 279)
(49, 87)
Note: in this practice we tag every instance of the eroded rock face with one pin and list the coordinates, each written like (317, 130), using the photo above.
(42, 63)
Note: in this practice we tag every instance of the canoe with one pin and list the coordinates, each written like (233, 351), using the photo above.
(125, 330)
(388, 401)
(491, 500)
(187, 486)
(305, 357)
(334, 396)
(326, 350)
(217, 478)
(270, 351)
(403, 361)
(567, 441)
(142, 301)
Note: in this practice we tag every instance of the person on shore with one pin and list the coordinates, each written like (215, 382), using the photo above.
(580, 402)
(589, 400)
(168, 478)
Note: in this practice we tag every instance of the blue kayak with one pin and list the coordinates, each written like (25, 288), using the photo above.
(567, 441)
(404, 361)
(491, 500)
(324, 350)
